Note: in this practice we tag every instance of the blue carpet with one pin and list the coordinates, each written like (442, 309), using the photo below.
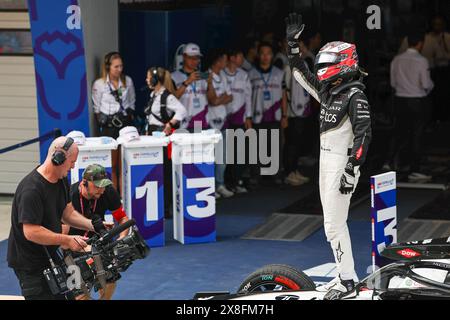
(177, 272)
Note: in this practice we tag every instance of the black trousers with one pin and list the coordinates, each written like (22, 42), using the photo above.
(235, 172)
(35, 287)
(298, 141)
(412, 115)
(441, 93)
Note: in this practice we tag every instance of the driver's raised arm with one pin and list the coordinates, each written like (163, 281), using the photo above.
(300, 71)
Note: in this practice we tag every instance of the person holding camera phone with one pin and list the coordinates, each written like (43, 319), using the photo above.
(192, 88)
(114, 98)
(41, 204)
(92, 197)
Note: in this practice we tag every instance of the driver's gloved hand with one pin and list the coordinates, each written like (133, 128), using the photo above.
(348, 179)
(294, 28)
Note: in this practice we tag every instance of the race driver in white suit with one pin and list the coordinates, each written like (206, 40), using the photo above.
(345, 134)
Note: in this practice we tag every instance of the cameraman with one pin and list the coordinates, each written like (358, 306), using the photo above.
(92, 197)
(40, 204)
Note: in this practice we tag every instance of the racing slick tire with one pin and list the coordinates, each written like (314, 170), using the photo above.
(276, 277)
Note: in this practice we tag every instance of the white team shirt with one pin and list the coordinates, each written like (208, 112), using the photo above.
(267, 94)
(194, 99)
(299, 100)
(241, 89)
(105, 102)
(217, 115)
(173, 106)
(410, 75)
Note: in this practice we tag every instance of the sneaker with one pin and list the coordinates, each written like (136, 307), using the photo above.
(417, 176)
(224, 192)
(217, 195)
(293, 180)
(301, 177)
(341, 289)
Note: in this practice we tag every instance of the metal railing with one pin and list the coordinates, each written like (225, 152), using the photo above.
(55, 133)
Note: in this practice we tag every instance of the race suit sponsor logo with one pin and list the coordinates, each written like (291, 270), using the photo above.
(408, 253)
(330, 117)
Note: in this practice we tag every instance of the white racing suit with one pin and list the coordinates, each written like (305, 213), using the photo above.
(345, 134)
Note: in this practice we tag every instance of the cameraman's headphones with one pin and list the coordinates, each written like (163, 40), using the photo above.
(108, 59)
(59, 156)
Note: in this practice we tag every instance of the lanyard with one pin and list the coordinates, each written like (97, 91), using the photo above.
(82, 204)
(194, 88)
(230, 77)
(117, 96)
(266, 83)
(82, 207)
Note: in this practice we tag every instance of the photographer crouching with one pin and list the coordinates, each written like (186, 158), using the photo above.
(92, 197)
(41, 204)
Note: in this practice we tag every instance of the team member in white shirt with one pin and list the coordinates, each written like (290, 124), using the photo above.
(240, 109)
(114, 98)
(164, 114)
(192, 88)
(436, 49)
(219, 95)
(172, 113)
(269, 99)
(410, 77)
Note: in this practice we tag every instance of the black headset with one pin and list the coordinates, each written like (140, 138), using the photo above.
(155, 77)
(59, 156)
(108, 59)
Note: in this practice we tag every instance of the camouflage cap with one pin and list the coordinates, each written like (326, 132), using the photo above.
(97, 174)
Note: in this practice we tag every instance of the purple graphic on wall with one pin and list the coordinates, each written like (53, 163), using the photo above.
(60, 66)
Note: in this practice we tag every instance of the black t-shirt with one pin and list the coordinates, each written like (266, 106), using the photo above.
(38, 202)
(110, 200)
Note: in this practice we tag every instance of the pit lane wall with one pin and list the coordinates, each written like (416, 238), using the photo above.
(384, 215)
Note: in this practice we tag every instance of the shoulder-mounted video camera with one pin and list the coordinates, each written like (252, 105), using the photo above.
(102, 265)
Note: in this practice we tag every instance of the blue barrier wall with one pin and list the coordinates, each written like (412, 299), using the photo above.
(60, 67)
